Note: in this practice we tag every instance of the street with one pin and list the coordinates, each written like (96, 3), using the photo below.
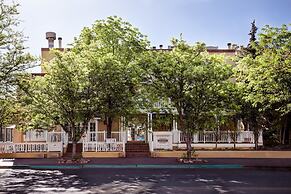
(177, 181)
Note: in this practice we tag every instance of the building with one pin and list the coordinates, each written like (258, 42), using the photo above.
(142, 137)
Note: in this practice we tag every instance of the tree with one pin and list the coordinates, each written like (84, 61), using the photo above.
(193, 80)
(62, 97)
(252, 42)
(111, 48)
(13, 62)
(265, 78)
(13, 59)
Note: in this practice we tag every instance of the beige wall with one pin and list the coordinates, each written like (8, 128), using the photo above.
(47, 56)
(17, 136)
(115, 125)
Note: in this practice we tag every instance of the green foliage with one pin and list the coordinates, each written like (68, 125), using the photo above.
(193, 80)
(63, 96)
(263, 77)
(266, 79)
(13, 62)
(96, 77)
(110, 48)
(13, 59)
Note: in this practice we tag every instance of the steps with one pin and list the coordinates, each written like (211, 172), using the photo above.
(137, 149)
(79, 149)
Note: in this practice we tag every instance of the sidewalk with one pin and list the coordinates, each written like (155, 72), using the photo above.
(152, 163)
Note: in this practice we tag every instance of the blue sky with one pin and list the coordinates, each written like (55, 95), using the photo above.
(215, 22)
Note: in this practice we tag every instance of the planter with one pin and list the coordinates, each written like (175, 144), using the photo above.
(73, 161)
(191, 161)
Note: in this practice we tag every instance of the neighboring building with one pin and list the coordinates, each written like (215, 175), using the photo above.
(147, 136)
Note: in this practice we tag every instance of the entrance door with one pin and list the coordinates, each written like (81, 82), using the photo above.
(137, 128)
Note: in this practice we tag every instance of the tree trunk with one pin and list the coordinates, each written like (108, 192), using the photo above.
(234, 140)
(109, 126)
(188, 144)
(74, 149)
(1, 134)
(285, 130)
(254, 126)
(256, 136)
(216, 137)
(74, 142)
(288, 128)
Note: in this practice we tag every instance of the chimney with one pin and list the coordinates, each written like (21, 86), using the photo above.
(50, 36)
(229, 45)
(161, 46)
(60, 42)
(234, 46)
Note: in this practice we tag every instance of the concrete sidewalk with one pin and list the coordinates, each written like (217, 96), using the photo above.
(157, 162)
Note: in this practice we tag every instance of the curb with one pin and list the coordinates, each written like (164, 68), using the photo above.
(16, 167)
(145, 166)
(131, 166)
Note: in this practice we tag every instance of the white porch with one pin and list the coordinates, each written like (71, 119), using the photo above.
(37, 141)
(96, 141)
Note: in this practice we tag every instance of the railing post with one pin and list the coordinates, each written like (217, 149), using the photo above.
(228, 136)
(260, 137)
(48, 147)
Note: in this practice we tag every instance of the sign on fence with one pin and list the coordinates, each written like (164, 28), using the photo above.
(163, 140)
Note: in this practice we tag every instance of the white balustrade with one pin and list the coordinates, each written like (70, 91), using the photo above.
(100, 136)
(56, 136)
(23, 147)
(103, 147)
(221, 137)
(7, 148)
(35, 135)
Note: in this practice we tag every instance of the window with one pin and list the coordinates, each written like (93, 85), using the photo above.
(92, 127)
(92, 131)
(6, 135)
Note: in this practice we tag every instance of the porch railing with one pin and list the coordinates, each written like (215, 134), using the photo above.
(219, 137)
(23, 147)
(100, 136)
(57, 137)
(35, 135)
(103, 147)
(31, 147)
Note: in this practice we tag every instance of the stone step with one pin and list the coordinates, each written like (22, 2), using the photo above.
(137, 149)
(137, 146)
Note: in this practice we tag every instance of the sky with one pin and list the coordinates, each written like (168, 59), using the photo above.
(214, 22)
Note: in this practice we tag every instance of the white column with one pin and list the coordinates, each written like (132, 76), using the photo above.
(96, 130)
(175, 132)
(150, 131)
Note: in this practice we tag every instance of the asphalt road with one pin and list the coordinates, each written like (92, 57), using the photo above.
(200, 181)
